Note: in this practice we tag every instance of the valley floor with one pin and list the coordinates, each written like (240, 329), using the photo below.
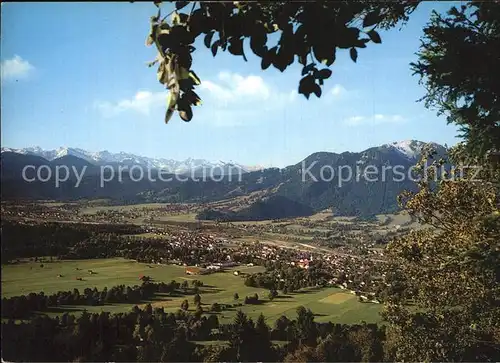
(328, 304)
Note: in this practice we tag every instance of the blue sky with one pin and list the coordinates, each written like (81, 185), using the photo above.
(75, 74)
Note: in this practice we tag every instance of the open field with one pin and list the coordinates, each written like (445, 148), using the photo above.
(329, 304)
(162, 214)
(187, 217)
(121, 208)
(91, 202)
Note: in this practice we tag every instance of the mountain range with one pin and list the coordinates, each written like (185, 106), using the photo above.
(316, 183)
(105, 157)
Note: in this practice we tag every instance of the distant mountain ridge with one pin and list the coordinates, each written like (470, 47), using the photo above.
(281, 191)
(122, 158)
(408, 148)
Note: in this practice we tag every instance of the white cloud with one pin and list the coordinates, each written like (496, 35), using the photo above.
(338, 90)
(292, 96)
(339, 93)
(229, 99)
(376, 119)
(355, 120)
(15, 68)
(232, 93)
(143, 102)
(232, 99)
(235, 89)
(227, 118)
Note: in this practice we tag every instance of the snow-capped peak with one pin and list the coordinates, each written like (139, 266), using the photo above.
(410, 148)
(106, 157)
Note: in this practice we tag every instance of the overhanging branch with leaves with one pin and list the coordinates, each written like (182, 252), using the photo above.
(310, 33)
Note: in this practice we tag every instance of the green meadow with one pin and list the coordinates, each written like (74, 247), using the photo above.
(328, 304)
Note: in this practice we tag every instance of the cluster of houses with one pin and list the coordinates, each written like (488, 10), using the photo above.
(72, 212)
(36, 211)
(303, 263)
(179, 238)
(350, 269)
(363, 297)
(204, 270)
(350, 272)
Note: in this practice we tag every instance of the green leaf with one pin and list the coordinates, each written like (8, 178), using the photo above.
(306, 86)
(171, 101)
(208, 39)
(258, 42)
(176, 19)
(192, 98)
(371, 19)
(198, 23)
(184, 108)
(317, 90)
(279, 63)
(302, 59)
(181, 35)
(163, 74)
(168, 115)
(186, 84)
(322, 50)
(266, 61)
(184, 58)
(324, 74)
(354, 54)
(180, 4)
(183, 73)
(215, 46)
(223, 44)
(361, 43)
(268, 58)
(347, 37)
(195, 78)
(187, 114)
(374, 36)
(235, 46)
(282, 59)
(310, 67)
(330, 60)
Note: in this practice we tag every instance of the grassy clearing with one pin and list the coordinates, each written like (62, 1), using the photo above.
(51, 204)
(322, 215)
(336, 298)
(265, 222)
(328, 304)
(187, 217)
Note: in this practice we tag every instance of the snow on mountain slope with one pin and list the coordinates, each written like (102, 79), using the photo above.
(411, 148)
(123, 158)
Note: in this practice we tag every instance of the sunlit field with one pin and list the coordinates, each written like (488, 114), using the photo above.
(328, 304)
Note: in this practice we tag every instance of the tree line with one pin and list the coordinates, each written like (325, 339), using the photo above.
(20, 307)
(155, 335)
